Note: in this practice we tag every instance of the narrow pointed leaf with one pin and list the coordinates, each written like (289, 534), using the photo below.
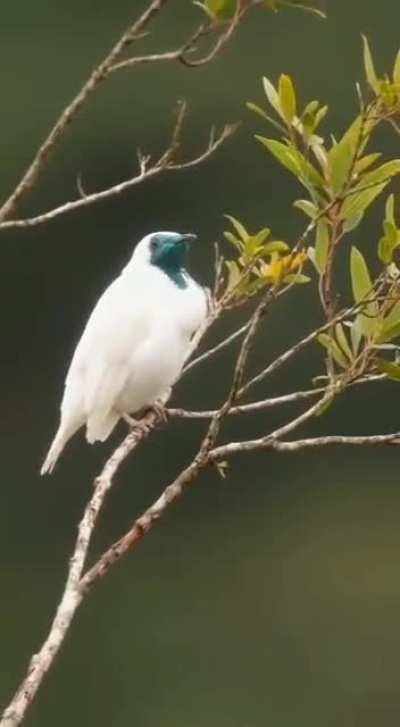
(307, 207)
(356, 334)
(297, 278)
(351, 223)
(389, 209)
(275, 246)
(365, 162)
(287, 98)
(369, 188)
(342, 341)
(389, 334)
(272, 96)
(341, 156)
(389, 368)
(362, 291)
(220, 9)
(396, 70)
(240, 229)
(392, 319)
(294, 161)
(370, 73)
(334, 350)
(321, 246)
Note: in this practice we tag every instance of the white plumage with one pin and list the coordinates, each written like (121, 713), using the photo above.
(134, 344)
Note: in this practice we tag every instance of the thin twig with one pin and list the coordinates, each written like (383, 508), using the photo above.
(270, 403)
(160, 167)
(217, 348)
(69, 114)
(221, 453)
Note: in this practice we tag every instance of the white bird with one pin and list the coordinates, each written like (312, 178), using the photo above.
(135, 342)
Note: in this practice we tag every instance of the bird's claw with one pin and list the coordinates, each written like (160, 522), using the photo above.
(131, 421)
(160, 412)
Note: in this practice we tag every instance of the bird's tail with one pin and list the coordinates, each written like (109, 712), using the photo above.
(62, 436)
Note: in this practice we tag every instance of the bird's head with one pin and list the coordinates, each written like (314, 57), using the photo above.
(166, 250)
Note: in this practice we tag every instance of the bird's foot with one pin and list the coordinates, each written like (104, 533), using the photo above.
(131, 421)
(160, 411)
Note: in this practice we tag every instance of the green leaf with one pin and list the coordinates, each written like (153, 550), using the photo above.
(360, 278)
(391, 239)
(233, 240)
(396, 70)
(320, 115)
(389, 209)
(257, 110)
(275, 246)
(220, 9)
(370, 187)
(240, 229)
(389, 334)
(284, 154)
(372, 78)
(297, 278)
(362, 290)
(389, 368)
(233, 274)
(356, 334)
(390, 327)
(365, 162)
(294, 161)
(392, 318)
(262, 235)
(333, 349)
(287, 98)
(358, 202)
(272, 96)
(321, 246)
(307, 207)
(382, 174)
(352, 222)
(341, 156)
(385, 251)
(342, 341)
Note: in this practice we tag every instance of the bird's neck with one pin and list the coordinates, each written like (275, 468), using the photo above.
(171, 262)
(178, 276)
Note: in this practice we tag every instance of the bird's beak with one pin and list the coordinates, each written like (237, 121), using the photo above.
(189, 237)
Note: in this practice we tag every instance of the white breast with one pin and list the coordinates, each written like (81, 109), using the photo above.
(173, 316)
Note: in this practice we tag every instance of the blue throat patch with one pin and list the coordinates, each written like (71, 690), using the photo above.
(169, 256)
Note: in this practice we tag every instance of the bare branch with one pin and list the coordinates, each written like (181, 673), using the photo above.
(175, 55)
(251, 408)
(72, 596)
(223, 39)
(312, 443)
(275, 401)
(69, 114)
(161, 166)
(334, 440)
(293, 351)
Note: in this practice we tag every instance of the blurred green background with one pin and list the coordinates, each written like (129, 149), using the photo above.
(269, 598)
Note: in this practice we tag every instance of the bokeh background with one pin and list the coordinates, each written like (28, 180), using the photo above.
(268, 598)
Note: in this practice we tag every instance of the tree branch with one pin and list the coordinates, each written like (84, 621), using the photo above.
(72, 596)
(164, 164)
(69, 114)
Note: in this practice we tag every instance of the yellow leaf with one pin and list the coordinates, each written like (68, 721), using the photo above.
(287, 98)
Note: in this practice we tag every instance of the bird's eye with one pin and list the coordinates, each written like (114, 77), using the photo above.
(154, 243)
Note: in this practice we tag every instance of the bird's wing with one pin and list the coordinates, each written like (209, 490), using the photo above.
(101, 364)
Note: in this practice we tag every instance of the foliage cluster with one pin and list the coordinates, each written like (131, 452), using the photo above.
(342, 176)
